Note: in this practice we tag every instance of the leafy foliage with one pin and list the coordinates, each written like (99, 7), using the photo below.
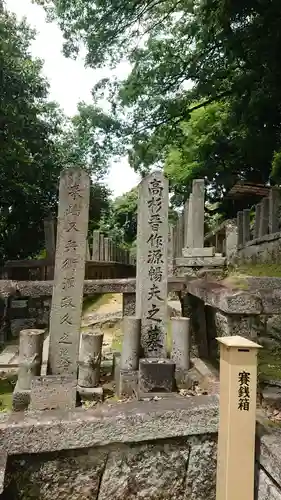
(36, 142)
(186, 55)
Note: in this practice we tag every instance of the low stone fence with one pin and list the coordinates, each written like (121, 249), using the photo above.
(35, 270)
(250, 307)
(26, 304)
(158, 449)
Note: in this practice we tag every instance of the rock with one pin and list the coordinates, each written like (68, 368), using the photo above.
(271, 396)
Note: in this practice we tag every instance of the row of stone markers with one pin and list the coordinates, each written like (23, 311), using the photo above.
(104, 249)
(74, 359)
(267, 218)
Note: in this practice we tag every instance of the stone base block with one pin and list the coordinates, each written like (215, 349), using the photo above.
(128, 383)
(90, 393)
(21, 399)
(156, 375)
(53, 392)
(198, 252)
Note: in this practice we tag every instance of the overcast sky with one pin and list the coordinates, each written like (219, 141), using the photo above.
(69, 81)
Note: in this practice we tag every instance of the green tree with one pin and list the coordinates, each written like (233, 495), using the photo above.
(29, 165)
(182, 52)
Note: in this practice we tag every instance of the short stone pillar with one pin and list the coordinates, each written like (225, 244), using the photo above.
(264, 218)
(96, 246)
(246, 226)
(131, 343)
(30, 357)
(90, 359)
(180, 353)
(240, 228)
(274, 209)
(230, 238)
(237, 424)
(257, 220)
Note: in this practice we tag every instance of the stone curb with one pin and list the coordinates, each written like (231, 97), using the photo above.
(38, 432)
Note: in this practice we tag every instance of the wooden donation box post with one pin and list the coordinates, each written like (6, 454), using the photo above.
(237, 422)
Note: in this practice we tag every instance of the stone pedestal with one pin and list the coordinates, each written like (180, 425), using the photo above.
(90, 359)
(30, 356)
(131, 343)
(156, 375)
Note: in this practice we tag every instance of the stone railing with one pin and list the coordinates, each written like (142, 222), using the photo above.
(26, 304)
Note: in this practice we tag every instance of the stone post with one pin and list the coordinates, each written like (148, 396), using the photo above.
(198, 204)
(110, 243)
(237, 423)
(240, 228)
(106, 249)
(231, 237)
(30, 357)
(274, 209)
(257, 220)
(96, 246)
(90, 359)
(101, 247)
(131, 343)
(67, 297)
(190, 224)
(152, 263)
(185, 211)
(180, 353)
(246, 226)
(264, 217)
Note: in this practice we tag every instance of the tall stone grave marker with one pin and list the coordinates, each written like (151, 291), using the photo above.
(152, 263)
(67, 298)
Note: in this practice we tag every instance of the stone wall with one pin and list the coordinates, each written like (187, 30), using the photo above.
(158, 450)
(264, 250)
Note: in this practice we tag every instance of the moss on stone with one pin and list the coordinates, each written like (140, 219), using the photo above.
(269, 365)
(272, 270)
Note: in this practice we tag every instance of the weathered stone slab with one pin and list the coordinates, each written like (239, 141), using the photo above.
(53, 392)
(198, 252)
(152, 263)
(69, 271)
